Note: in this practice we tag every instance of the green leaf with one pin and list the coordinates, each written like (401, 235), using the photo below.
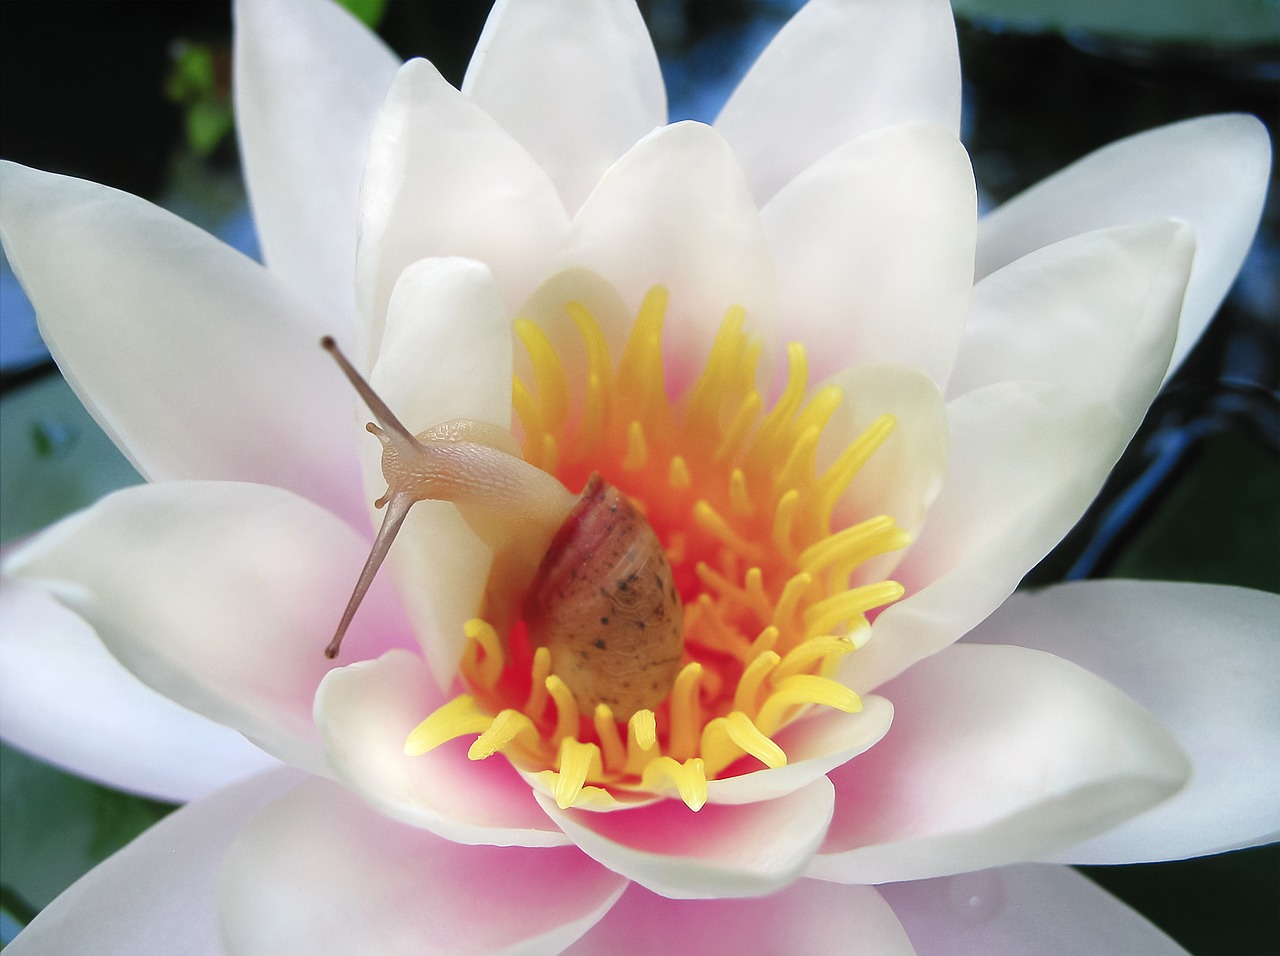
(369, 12)
(56, 827)
(54, 458)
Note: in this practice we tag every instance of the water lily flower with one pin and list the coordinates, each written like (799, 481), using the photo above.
(867, 738)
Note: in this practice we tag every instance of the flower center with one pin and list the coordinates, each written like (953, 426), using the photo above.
(744, 515)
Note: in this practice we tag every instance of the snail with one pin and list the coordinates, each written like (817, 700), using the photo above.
(585, 572)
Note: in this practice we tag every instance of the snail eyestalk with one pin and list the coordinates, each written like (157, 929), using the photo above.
(513, 506)
(585, 572)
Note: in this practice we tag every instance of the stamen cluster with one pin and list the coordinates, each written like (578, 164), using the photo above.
(735, 496)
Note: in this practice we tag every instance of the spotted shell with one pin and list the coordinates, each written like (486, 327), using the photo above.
(604, 603)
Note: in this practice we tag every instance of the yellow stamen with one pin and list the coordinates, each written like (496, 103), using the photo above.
(732, 488)
(459, 717)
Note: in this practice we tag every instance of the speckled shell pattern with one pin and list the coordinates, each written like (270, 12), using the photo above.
(605, 605)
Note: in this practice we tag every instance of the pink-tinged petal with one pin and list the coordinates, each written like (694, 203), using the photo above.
(319, 872)
(907, 472)
(1202, 658)
(158, 895)
(576, 84)
(64, 698)
(1031, 908)
(194, 359)
(1211, 172)
(997, 755)
(365, 713)
(873, 245)
(1025, 460)
(309, 79)
(719, 851)
(219, 595)
(838, 69)
(1092, 313)
(807, 917)
(444, 179)
(675, 211)
(446, 354)
(813, 746)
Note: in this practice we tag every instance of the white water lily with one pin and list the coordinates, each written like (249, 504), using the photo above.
(831, 204)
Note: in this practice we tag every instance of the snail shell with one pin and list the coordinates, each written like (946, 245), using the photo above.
(597, 588)
(604, 603)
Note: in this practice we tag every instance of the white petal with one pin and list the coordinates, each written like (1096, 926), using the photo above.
(219, 595)
(1093, 313)
(318, 872)
(1025, 460)
(309, 79)
(906, 473)
(194, 359)
(64, 698)
(873, 245)
(446, 354)
(576, 84)
(1202, 658)
(838, 69)
(996, 755)
(814, 746)
(1211, 172)
(719, 851)
(675, 211)
(1049, 910)
(807, 917)
(443, 179)
(366, 712)
(158, 895)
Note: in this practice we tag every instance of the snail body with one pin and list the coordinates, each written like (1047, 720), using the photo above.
(597, 588)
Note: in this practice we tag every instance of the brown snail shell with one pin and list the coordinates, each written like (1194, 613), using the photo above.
(604, 603)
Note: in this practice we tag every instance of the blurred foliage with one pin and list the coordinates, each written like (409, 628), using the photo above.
(369, 12)
(200, 84)
(54, 458)
(1245, 22)
(55, 827)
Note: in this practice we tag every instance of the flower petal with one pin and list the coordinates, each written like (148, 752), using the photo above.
(814, 746)
(873, 245)
(675, 211)
(806, 917)
(446, 354)
(64, 698)
(1025, 460)
(365, 713)
(401, 890)
(220, 596)
(906, 473)
(1211, 171)
(443, 179)
(1091, 313)
(1223, 709)
(838, 69)
(194, 359)
(309, 79)
(1031, 908)
(576, 84)
(723, 851)
(158, 895)
(994, 757)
